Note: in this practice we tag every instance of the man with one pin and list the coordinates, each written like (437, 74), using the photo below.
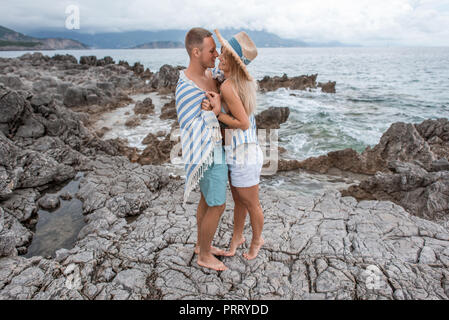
(201, 140)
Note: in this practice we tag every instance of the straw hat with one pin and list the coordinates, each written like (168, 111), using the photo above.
(242, 48)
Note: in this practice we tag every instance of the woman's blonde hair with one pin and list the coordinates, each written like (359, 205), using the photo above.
(246, 89)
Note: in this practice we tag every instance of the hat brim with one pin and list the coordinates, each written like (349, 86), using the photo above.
(239, 61)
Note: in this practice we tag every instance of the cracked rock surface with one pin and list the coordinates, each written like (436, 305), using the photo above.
(138, 244)
(138, 239)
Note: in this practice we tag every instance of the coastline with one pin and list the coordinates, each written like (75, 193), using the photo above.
(136, 229)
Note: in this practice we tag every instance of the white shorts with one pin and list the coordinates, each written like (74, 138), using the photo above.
(244, 164)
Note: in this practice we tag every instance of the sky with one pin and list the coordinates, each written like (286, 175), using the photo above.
(364, 22)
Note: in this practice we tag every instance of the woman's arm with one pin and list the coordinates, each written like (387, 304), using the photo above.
(239, 118)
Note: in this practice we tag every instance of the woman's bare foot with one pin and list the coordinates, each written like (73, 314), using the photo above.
(211, 262)
(213, 250)
(254, 249)
(235, 243)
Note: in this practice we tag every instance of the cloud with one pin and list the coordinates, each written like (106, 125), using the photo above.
(369, 22)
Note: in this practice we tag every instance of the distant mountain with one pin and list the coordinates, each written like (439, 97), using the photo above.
(13, 40)
(132, 39)
(160, 45)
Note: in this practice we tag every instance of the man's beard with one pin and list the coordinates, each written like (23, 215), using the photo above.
(208, 65)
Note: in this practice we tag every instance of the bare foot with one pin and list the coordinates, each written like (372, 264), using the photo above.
(234, 245)
(212, 263)
(254, 249)
(213, 250)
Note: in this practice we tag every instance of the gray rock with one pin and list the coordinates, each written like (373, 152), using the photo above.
(88, 60)
(167, 77)
(144, 107)
(131, 279)
(32, 128)
(22, 204)
(41, 99)
(12, 104)
(75, 96)
(440, 165)
(422, 193)
(13, 82)
(39, 170)
(49, 202)
(272, 118)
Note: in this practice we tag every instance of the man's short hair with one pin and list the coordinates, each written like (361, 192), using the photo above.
(195, 37)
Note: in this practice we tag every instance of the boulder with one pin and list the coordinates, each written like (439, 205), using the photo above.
(272, 117)
(132, 121)
(295, 83)
(144, 107)
(168, 111)
(49, 202)
(75, 96)
(328, 87)
(167, 77)
(422, 193)
(88, 60)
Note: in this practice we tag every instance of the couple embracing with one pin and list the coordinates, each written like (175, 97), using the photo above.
(215, 108)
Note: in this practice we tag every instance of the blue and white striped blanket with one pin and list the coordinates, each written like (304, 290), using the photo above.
(200, 131)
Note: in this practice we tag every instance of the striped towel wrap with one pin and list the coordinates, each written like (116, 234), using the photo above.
(200, 131)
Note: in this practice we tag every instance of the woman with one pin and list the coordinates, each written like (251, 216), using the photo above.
(243, 153)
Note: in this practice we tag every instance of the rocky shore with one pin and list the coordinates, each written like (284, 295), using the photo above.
(382, 239)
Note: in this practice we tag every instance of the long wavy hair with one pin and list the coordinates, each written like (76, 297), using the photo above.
(246, 89)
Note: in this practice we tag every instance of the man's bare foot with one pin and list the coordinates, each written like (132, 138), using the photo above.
(213, 250)
(211, 262)
(254, 249)
(234, 245)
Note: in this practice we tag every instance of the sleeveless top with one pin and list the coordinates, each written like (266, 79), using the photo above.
(239, 136)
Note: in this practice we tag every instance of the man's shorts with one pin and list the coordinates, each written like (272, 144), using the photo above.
(214, 180)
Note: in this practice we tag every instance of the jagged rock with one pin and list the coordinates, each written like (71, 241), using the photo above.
(147, 74)
(124, 63)
(66, 196)
(144, 107)
(75, 96)
(14, 237)
(436, 133)
(330, 247)
(100, 133)
(40, 99)
(157, 151)
(88, 60)
(12, 105)
(440, 165)
(105, 61)
(424, 194)
(22, 204)
(295, 83)
(272, 117)
(121, 145)
(168, 111)
(32, 128)
(139, 238)
(328, 87)
(132, 121)
(402, 141)
(67, 58)
(39, 170)
(49, 202)
(167, 78)
(9, 172)
(13, 82)
(138, 68)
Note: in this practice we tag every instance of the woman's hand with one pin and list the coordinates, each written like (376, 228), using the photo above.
(215, 101)
(205, 105)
